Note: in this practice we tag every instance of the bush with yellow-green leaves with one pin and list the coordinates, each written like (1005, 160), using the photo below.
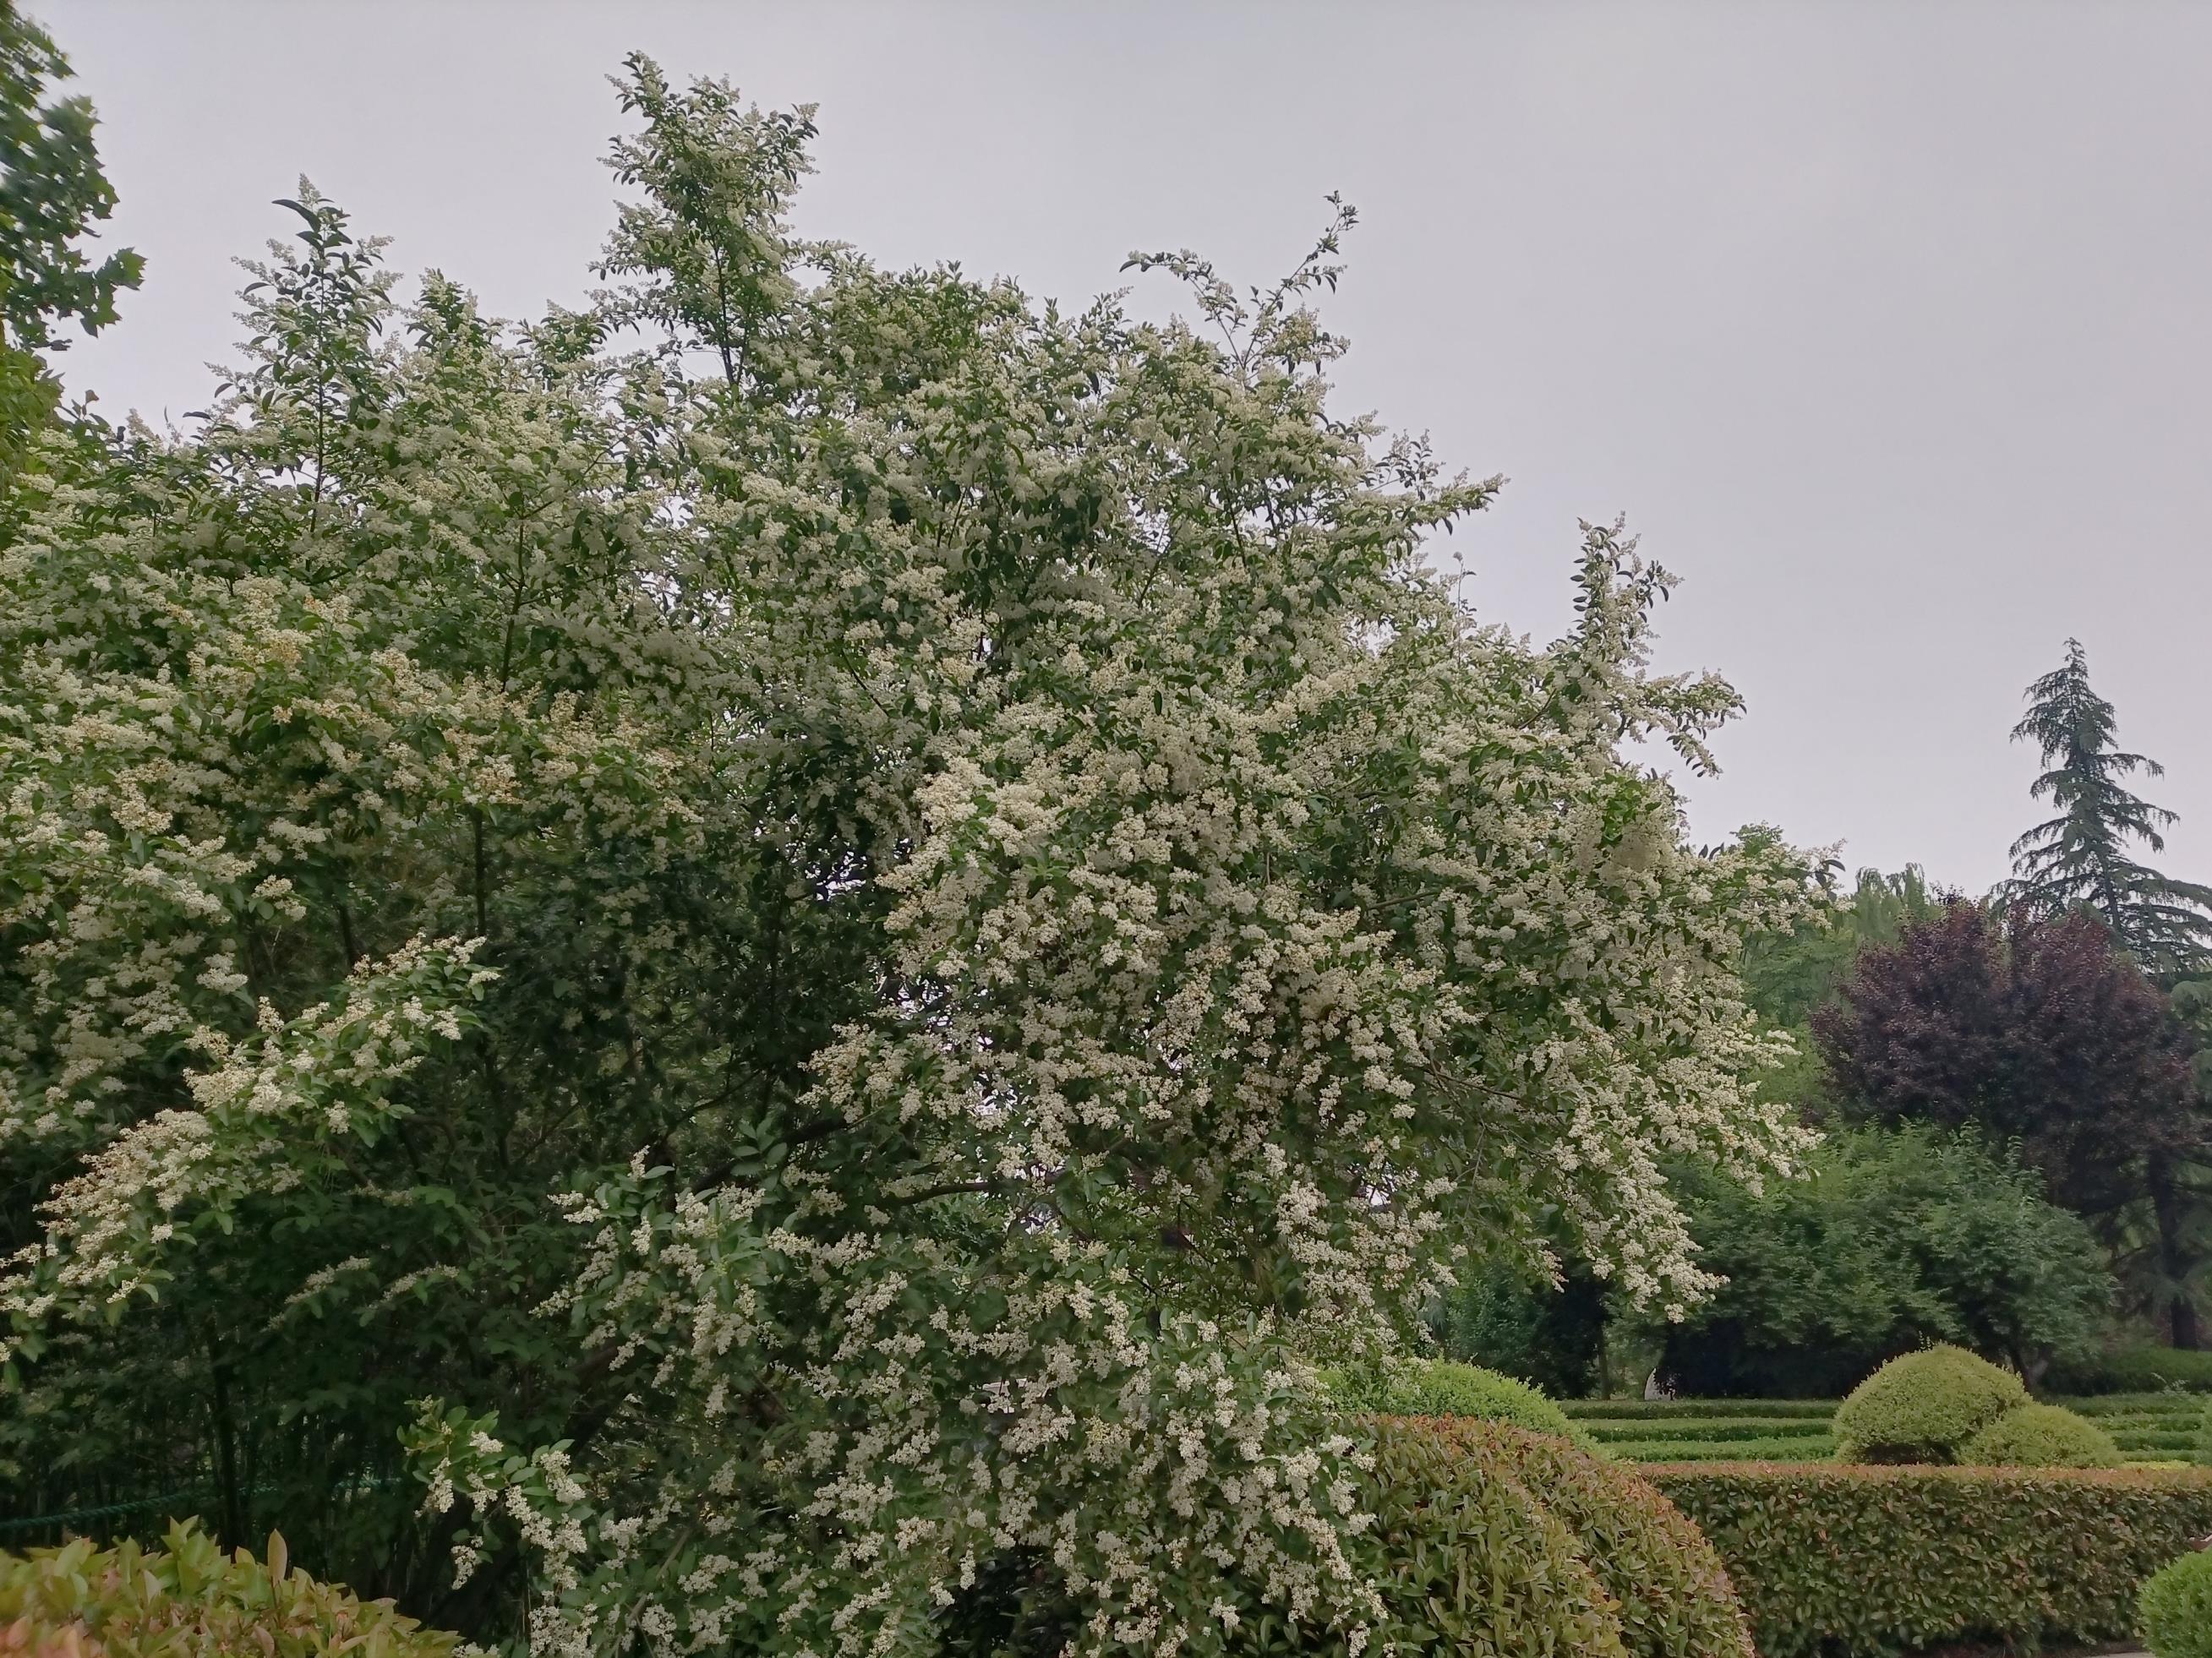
(2041, 1436)
(189, 1599)
(1444, 1388)
(1924, 1406)
(1490, 1539)
(2176, 1608)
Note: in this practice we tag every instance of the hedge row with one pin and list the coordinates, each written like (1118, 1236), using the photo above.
(2147, 1405)
(1664, 1410)
(2133, 1370)
(1722, 1428)
(1795, 1449)
(1884, 1559)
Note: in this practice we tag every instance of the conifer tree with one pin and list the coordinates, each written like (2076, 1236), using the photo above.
(2080, 859)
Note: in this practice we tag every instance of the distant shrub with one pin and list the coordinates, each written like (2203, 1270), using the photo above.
(2203, 1447)
(1440, 1387)
(2041, 1436)
(2176, 1609)
(1923, 1406)
(190, 1599)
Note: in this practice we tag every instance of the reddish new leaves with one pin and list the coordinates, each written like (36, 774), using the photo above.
(2040, 1031)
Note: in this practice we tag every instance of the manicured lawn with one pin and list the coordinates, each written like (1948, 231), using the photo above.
(2149, 1427)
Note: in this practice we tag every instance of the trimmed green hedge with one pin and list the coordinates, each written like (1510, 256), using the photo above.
(1796, 1448)
(1496, 1541)
(1878, 1560)
(2133, 1370)
(1441, 1388)
(1735, 1427)
(190, 1599)
(1667, 1409)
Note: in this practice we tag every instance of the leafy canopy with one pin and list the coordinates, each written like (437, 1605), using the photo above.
(2041, 1031)
(1895, 1238)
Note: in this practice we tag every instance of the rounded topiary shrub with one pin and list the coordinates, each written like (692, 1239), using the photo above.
(1441, 1387)
(2041, 1436)
(1470, 1559)
(1492, 1541)
(1924, 1406)
(2177, 1609)
(190, 1599)
(1669, 1589)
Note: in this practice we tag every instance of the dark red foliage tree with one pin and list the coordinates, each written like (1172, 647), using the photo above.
(2040, 1031)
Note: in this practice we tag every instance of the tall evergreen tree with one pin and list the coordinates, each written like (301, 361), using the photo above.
(2080, 859)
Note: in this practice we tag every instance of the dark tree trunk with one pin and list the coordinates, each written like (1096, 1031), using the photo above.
(2167, 1202)
(231, 1500)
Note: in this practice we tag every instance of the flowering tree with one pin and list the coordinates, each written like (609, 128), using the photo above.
(876, 918)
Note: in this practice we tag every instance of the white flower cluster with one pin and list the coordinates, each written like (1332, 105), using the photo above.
(272, 1114)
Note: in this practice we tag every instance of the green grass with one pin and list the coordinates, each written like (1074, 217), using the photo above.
(2147, 1427)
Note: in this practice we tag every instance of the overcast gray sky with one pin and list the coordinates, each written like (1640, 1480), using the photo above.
(1886, 326)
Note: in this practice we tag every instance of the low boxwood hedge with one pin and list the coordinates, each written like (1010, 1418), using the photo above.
(1666, 1410)
(1729, 1450)
(1735, 1427)
(1875, 1560)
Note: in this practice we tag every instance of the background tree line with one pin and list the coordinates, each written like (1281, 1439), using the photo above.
(2018, 1094)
